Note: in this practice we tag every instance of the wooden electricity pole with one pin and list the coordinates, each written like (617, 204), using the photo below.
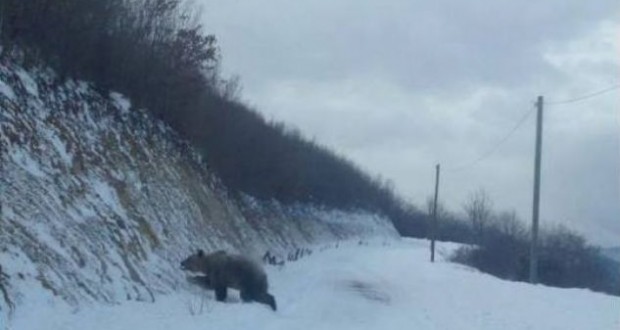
(434, 224)
(536, 204)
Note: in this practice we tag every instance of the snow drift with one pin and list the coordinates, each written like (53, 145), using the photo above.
(374, 286)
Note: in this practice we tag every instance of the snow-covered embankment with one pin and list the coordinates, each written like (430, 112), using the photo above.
(100, 201)
(375, 286)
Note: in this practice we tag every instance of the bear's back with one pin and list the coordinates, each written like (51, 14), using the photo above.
(242, 272)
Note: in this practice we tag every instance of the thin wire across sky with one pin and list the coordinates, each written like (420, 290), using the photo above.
(523, 119)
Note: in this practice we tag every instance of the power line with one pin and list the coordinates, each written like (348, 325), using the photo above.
(493, 149)
(586, 96)
(524, 118)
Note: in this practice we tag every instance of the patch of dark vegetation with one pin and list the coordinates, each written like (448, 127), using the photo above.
(4, 283)
(500, 245)
(565, 260)
(298, 254)
(273, 259)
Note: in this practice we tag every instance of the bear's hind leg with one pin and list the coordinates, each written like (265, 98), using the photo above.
(220, 293)
(267, 299)
(271, 301)
(246, 296)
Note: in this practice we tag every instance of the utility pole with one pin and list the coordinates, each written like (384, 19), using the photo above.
(536, 204)
(434, 224)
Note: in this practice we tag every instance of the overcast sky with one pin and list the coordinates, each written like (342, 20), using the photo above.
(398, 86)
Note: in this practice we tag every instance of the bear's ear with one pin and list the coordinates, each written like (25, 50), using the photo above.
(201, 253)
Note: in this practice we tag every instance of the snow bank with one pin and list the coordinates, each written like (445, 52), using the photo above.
(379, 285)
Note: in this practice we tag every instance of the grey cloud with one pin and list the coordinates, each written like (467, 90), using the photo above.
(427, 46)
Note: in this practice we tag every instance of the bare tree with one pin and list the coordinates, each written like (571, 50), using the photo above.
(509, 224)
(478, 209)
(442, 212)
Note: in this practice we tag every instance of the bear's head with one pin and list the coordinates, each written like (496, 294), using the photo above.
(202, 262)
(195, 262)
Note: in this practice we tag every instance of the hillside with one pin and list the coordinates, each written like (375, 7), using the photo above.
(100, 201)
(372, 286)
(613, 253)
(159, 55)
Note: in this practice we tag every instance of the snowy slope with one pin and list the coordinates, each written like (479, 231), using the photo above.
(100, 201)
(381, 285)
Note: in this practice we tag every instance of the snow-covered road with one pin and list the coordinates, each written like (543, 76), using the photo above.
(375, 286)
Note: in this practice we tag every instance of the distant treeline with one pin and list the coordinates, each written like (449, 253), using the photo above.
(499, 244)
(157, 53)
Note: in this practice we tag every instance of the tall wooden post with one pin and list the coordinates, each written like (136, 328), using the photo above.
(536, 203)
(434, 224)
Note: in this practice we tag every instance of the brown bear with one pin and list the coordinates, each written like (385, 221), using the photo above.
(225, 271)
